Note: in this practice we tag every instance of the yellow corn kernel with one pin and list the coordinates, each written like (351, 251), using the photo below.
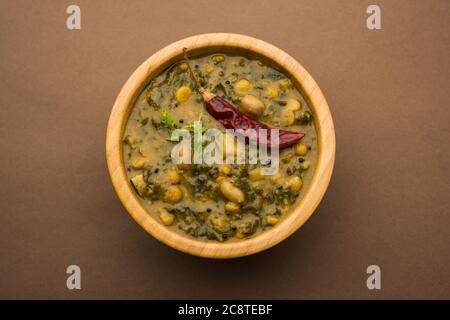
(255, 174)
(218, 58)
(293, 105)
(305, 165)
(243, 85)
(271, 220)
(285, 84)
(173, 176)
(231, 207)
(221, 224)
(183, 94)
(130, 140)
(138, 163)
(183, 66)
(295, 184)
(287, 117)
(225, 169)
(173, 194)
(276, 177)
(166, 217)
(301, 149)
(272, 92)
(287, 157)
(239, 235)
(284, 208)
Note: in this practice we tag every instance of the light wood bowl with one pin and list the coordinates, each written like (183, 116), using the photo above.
(230, 43)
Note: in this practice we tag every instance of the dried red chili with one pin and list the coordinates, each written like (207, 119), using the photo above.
(231, 118)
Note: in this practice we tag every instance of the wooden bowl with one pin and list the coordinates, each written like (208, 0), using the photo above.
(230, 43)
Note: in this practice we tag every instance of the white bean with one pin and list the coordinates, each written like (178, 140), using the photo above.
(252, 105)
(231, 192)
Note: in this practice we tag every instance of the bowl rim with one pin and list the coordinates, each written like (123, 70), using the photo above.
(298, 214)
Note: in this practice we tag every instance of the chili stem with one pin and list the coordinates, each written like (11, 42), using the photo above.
(191, 73)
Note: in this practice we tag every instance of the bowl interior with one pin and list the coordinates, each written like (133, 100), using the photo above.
(234, 45)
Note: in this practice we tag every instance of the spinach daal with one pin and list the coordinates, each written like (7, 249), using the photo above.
(218, 202)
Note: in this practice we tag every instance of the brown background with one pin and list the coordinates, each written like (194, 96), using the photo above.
(387, 203)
